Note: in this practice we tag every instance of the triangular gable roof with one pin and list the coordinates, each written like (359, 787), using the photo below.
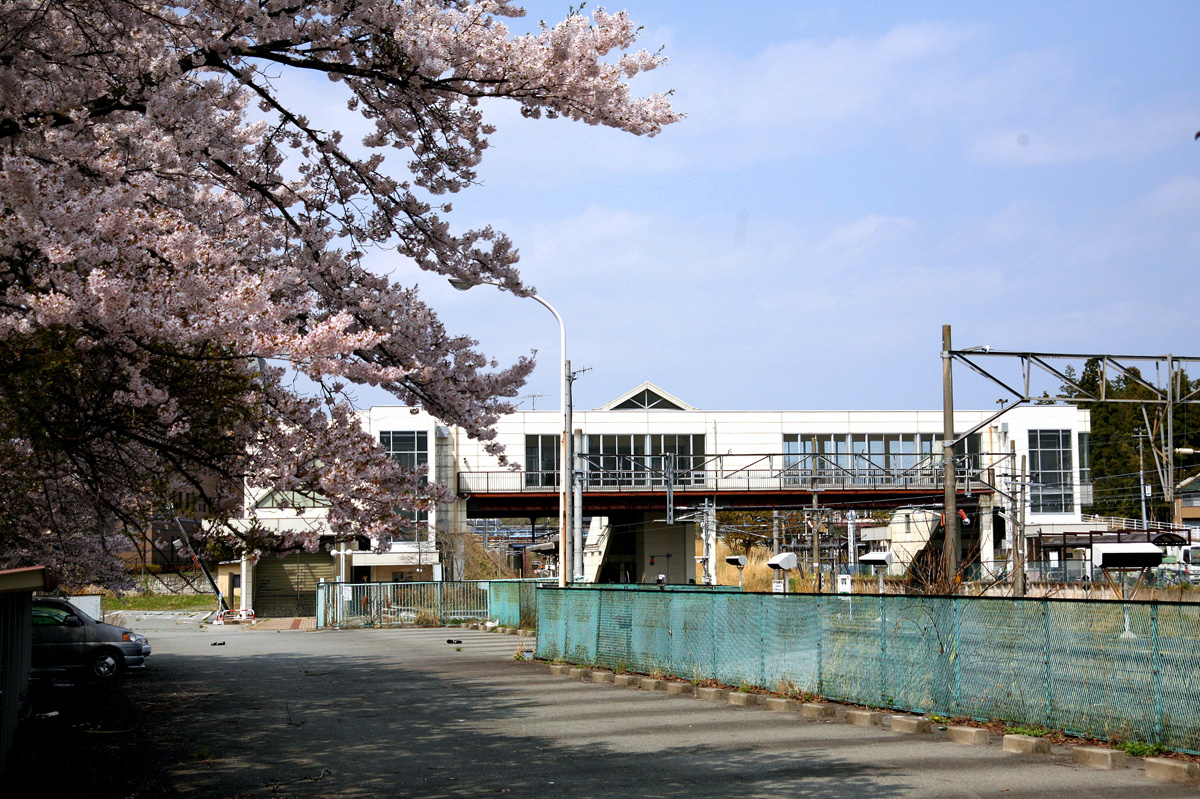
(647, 396)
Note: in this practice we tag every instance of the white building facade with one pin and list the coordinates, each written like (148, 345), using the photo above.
(653, 470)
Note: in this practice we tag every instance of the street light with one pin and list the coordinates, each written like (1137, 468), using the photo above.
(564, 488)
(342, 554)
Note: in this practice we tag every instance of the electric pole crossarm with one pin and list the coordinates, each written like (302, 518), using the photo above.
(964, 436)
(962, 358)
(1111, 366)
(1067, 379)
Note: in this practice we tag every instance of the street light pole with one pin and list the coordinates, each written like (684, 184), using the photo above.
(565, 473)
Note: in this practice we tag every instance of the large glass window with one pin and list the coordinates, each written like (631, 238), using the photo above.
(410, 448)
(541, 461)
(1051, 484)
(868, 456)
(643, 459)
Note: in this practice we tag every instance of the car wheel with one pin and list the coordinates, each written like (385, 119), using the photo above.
(104, 665)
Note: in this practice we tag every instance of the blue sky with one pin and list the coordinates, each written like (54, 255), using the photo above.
(848, 180)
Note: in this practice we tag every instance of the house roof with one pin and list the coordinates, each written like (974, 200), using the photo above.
(31, 578)
(648, 397)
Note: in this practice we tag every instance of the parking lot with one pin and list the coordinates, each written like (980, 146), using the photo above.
(233, 712)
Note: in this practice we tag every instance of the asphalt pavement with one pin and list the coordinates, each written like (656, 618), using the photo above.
(234, 712)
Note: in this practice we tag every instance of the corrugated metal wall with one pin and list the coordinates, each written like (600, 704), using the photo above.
(16, 629)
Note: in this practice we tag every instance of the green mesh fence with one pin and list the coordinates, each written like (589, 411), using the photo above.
(1117, 670)
(513, 603)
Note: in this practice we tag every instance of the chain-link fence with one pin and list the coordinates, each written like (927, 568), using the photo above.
(1116, 670)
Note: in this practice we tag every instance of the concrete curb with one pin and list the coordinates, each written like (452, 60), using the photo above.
(972, 736)
(864, 718)
(1095, 757)
(780, 703)
(1157, 769)
(743, 700)
(912, 725)
(818, 710)
(1026, 745)
(1162, 769)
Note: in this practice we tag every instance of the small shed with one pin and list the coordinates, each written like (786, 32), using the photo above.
(16, 644)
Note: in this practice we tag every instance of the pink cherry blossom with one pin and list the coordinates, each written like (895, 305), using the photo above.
(164, 210)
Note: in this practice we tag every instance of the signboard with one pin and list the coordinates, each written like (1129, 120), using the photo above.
(778, 587)
(845, 584)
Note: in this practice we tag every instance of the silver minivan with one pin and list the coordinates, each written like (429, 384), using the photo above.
(67, 639)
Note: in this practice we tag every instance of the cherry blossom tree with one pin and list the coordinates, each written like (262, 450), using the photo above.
(177, 236)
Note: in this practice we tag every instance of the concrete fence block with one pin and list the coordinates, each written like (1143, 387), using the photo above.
(653, 684)
(680, 689)
(972, 736)
(864, 718)
(780, 703)
(626, 679)
(913, 725)
(1026, 745)
(743, 700)
(817, 710)
(580, 674)
(602, 676)
(1098, 757)
(560, 670)
(1164, 769)
(717, 694)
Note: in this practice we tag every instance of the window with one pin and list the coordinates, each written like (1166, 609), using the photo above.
(643, 459)
(647, 400)
(894, 457)
(1085, 459)
(291, 499)
(1051, 485)
(410, 448)
(49, 616)
(541, 461)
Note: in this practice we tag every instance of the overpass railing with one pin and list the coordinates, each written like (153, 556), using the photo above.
(1116, 670)
(708, 473)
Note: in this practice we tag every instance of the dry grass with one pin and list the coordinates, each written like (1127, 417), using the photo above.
(757, 575)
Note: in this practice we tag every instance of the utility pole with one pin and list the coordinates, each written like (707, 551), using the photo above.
(1141, 478)
(1019, 552)
(851, 544)
(816, 541)
(950, 553)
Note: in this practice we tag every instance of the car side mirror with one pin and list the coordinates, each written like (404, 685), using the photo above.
(73, 621)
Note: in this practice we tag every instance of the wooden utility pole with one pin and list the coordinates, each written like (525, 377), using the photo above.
(950, 551)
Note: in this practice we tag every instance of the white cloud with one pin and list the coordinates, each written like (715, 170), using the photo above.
(1180, 196)
(862, 235)
(1087, 133)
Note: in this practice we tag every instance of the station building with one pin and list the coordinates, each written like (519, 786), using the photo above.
(652, 471)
